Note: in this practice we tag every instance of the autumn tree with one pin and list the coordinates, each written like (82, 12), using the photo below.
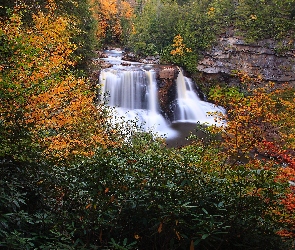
(43, 104)
(49, 123)
(259, 129)
(77, 11)
(114, 20)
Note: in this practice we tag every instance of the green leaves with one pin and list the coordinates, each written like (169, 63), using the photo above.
(265, 19)
(143, 193)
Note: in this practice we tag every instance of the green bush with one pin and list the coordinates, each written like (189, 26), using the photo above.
(266, 19)
(200, 23)
(147, 196)
(141, 195)
(154, 27)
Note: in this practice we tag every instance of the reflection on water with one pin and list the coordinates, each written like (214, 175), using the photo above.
(184, 131)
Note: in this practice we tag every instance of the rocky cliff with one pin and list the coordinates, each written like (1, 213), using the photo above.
(262, 58)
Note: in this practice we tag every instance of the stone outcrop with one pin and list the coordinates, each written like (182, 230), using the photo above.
(167, 73)
(166, 77)
(233, 53)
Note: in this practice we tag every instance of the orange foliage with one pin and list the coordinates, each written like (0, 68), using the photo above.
(41, 94)
(261, 123)
(256, 118)
(109, 14)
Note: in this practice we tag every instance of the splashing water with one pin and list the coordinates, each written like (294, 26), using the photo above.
(133, 92)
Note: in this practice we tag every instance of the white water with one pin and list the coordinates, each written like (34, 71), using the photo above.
(135, 96)
(133, 92)
(190, 108)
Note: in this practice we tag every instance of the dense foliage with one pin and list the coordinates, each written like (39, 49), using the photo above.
(71, 180)
(113, 21)
(200, 23)
(77, 12)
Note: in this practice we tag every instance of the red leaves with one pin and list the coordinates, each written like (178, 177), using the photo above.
(289, 201)
(280, 155)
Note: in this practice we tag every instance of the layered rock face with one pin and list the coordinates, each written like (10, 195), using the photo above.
(259, 59)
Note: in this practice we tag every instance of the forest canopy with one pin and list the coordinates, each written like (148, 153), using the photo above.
(199, 23)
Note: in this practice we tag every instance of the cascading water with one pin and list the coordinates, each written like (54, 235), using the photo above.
(190, 108)
(133, 91)
(134, 94)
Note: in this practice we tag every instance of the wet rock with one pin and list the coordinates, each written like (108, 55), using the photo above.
(130, 57)
(101, 54)
(166, 78)
(125, 63)
(167, 73)
(105, 65)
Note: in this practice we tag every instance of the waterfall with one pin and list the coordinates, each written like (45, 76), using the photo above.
(133, 92)
(152, 92)
(190, 108)
(123, 89)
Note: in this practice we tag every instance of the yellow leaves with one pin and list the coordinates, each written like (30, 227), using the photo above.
(136, 236)
(12, 28)
(90, 205)
(127, 10)
(133, 29)
(177, 234)
(40, 182)
(178, 41)
(70, 119)
(177, 51)
(42, 49)
(188, 50)
(160, 228)
(211, 12)
(253, 17)
(179, 47)
(54, 106)
(51, 5)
